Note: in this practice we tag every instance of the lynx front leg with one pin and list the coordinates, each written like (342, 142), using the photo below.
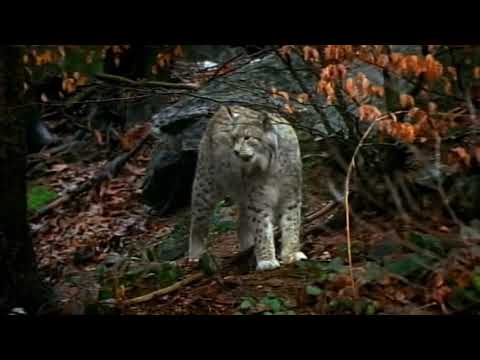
(261, 227)
(290, 240)
(204, 197)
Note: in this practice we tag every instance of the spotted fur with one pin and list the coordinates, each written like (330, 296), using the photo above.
(254, 159)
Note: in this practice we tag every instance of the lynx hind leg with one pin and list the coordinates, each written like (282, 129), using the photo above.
(290, 222)
(204, 197)
(245, 232)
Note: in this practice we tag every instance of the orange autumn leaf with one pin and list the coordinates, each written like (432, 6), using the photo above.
(377, 90)
(407, 101)
(284, 94)
(462, 155)
(365, 84)
(302, 98)
(285, 50)
(476, 72)
(350, 87)
(288, 109)
(368, 113)
(311, 54)
(178, 51)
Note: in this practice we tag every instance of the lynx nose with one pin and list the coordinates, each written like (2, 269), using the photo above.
(243, 156)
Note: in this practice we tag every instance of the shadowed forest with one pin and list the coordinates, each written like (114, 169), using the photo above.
(98, 152)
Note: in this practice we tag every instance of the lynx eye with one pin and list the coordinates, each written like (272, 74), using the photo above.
(246, 138)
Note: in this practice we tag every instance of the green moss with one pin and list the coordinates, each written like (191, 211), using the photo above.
(39, 196)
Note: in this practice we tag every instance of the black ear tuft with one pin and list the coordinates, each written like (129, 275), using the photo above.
(266, 122)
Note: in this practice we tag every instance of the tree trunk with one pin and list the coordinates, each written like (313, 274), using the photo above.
(19, 281)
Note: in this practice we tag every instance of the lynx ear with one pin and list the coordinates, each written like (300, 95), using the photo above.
(266, 122)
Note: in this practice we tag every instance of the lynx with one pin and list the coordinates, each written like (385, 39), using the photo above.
(254, 159)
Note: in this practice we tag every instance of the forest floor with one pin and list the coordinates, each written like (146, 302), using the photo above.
(98, 252)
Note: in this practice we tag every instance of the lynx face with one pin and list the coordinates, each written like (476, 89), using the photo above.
(253, 146)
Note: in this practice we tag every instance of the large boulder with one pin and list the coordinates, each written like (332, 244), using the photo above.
(178, 128)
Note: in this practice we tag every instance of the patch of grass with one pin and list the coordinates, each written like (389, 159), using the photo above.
(40, 196)
(320, 271)
(136, 276)
(268, 305)
(353, 307)
(219, 225)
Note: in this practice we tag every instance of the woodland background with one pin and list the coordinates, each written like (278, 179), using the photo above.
(97, 155)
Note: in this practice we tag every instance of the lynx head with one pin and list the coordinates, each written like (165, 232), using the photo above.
(254, 142)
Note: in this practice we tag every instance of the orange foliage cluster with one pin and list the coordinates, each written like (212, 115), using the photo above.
(418, 125)
(301, 98)
(35, 57)
(165, 59)
(70, 83)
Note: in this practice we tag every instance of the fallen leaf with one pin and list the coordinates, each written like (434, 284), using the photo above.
(444, 229)
(98, 137)
(135, 170)
(58, 167)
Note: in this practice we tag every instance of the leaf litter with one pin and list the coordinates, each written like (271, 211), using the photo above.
(94, 251)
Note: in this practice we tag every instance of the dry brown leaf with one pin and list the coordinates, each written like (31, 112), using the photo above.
(98, 137)
(135, 170)
(444, 229)
(178, 51)
(476, 72)
(462, 155)
(476, 153)
(432, 107)
(58, 167)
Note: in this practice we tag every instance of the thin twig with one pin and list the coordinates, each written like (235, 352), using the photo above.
(441, 191)
(144, 298)
(347, 192)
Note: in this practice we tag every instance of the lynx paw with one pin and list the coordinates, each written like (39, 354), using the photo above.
(265, 265)
(292, 258)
